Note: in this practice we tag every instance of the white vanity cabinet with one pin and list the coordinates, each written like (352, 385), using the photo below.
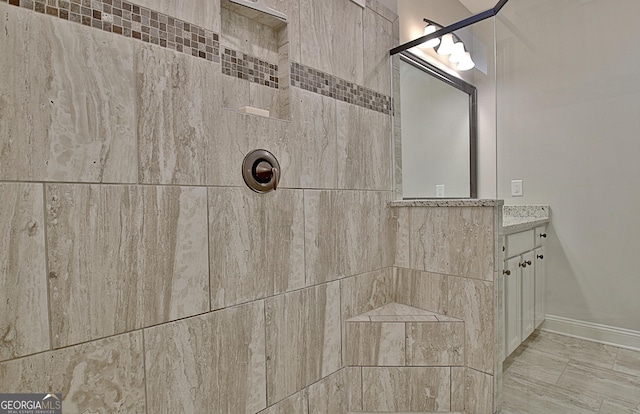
(524, 285)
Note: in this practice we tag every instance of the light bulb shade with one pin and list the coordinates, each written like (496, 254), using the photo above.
(466, 63)
(446, 45)
(433, 42)
(457, 53)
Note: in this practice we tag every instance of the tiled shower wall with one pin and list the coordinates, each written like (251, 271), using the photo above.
(447, 262)
(137, 272)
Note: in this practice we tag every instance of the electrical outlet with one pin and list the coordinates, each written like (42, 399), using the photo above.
(516, 188)
(440, 190)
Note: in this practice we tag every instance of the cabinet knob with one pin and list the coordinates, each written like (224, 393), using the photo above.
(528, 262)
(539, 256)
(543, 235)
(507, 272)
(522, 264)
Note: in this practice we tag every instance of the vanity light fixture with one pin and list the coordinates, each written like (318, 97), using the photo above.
(450, 44)
(428, 29)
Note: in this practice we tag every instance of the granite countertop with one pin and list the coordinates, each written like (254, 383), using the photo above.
(519, 218)
(447, 202)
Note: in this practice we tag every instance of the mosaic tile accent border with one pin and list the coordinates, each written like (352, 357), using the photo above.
(130, 20)
(243, 66)
(313, 80)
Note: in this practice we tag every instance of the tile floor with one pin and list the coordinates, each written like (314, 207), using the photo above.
(552, 373)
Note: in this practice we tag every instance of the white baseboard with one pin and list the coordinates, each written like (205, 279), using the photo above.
(608, 335)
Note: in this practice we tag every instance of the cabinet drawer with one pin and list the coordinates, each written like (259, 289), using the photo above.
(541, 235)
(519, 243)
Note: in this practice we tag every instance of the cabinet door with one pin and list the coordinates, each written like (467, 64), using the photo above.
(540, 269)
(512, 309)
(528, 293)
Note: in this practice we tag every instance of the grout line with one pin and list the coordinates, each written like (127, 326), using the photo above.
(222, 186)
(144, 367)
(46, 263)
(266, 368)
(209, 251)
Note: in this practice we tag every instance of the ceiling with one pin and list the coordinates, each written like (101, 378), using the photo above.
(477, 6)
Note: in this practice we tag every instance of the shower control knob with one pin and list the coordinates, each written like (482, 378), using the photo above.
(261, 171)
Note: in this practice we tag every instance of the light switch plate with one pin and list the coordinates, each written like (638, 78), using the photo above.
(516, 188)
(440, 190)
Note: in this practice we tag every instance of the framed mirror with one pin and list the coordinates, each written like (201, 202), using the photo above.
(438, 132)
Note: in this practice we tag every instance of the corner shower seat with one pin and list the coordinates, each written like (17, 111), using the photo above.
(411, 359)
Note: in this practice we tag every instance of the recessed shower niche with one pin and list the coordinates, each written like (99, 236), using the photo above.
(255, 58)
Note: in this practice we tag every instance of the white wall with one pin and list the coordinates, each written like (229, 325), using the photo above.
(568, 125)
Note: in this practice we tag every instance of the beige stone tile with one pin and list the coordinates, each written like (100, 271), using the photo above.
(364, 158)
(105, 376)
(478, 393)
(292, 9)
(24, 314)
(321, 226)
(406, 389)
(302, 161)
(313, 141)
(71, 90)
(628, 362)
(401, 216)
(365, 231)
(124, 257)
(398, 309)
(617, 407)
(458, 384)
(397, 155)
(363, 293)
(522, 395)
(599, 383)
(435, 344)
(178, 101)
(267, 98)
(204, 13)
(315, 39)
(346, 233)
(256, 244)
(422, 290)
(382, 10)
(375, 344)
(348, 56)
(326, 25)
(330, 394)
(404, 318)
(378, 40)
(225, 156)
(536, 365)
(354, 388)
(453, 241)
(246, 35)
(235, 93)
(584, 352)
(303, 338)
(472, 301)
(295, 404)
(211, 363)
